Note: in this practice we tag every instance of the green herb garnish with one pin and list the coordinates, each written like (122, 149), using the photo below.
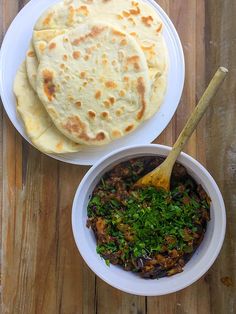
(153, 225)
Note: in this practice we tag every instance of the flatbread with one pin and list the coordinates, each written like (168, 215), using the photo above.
(94, 83)
(34, 52)
(38, 125)
(135, 17)
(42, 38)
(32, 66)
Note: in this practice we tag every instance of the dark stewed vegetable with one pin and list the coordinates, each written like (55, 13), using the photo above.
(148, 231)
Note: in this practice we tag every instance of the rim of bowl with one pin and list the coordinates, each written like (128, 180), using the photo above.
(188, 158)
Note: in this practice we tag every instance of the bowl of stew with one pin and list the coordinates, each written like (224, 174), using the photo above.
(147, 241)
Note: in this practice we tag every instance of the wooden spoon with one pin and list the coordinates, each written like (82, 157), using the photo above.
(160, 177)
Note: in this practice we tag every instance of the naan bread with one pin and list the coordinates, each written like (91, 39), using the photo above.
(34, 53)
(135, 17)
(42, 38)
(94, 83)
(32, 66)
(38, 125)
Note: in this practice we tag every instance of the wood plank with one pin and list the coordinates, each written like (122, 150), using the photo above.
(89, 291)
(110, 299)
(70, 279)
(221, 145)
(192, 15)
(8, 199)
(10, 154)
(10, 177)
(200, 77)
(183, 13)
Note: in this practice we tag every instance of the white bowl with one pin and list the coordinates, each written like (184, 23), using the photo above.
(129, 282)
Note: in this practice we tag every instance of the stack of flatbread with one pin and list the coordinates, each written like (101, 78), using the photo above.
(94, 71)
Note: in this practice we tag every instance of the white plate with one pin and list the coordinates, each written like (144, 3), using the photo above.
(13, 52)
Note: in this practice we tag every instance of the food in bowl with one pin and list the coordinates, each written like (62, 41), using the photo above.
(129, 281)
(145, 230)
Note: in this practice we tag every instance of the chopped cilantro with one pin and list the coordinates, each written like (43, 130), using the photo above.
(148, 222)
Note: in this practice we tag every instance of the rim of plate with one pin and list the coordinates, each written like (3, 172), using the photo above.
(144, 134)
(78, 225)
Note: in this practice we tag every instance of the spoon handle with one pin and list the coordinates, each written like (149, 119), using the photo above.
(197, 115)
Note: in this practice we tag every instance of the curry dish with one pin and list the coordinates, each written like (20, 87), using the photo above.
(149, 231)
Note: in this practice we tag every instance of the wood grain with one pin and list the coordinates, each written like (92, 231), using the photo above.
(221, 146)
(41, 269)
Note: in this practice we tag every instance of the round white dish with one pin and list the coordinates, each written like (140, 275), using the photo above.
(13, 52)
(129, 282)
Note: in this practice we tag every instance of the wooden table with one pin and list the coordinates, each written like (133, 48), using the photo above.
(41, 269)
